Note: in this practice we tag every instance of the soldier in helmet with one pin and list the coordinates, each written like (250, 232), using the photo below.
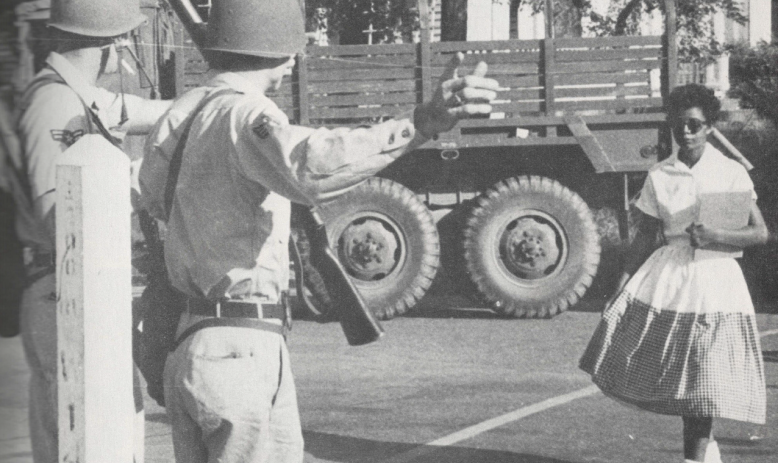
(60, 105)
(228, 388)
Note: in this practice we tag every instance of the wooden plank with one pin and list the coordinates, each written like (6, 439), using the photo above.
(549, 68)
(475, 141)
(606, 66)
(448, 47)
(531, 81)
(499, 69)
(359, 62)
(351, 75)
(300, 90)
(610, 104)
(670, 71)
(352, 112)
(602, 92)
(96, 407)
(641, 76)
(589, 143)
(608, 54)
(622, 41)
(519, 106)
(515, 81)
(531, 121)
(355, 50)
(363, 99)
(362, 86)
(521, 94)
(423, 56)
(471, 59)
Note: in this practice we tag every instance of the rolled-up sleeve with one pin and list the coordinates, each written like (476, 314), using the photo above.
(307, 164)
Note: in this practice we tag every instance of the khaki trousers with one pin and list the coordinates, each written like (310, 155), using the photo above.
(39, 338)
(231, 398)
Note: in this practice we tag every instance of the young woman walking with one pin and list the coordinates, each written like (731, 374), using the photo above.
(680, 336)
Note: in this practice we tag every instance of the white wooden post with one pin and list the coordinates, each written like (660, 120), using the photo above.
(94, 367)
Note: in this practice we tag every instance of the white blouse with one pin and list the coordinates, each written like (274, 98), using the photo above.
(672, 189)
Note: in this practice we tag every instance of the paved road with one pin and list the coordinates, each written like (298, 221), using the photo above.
(452, 386)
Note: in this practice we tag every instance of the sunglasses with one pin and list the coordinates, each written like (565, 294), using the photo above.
(693, 125)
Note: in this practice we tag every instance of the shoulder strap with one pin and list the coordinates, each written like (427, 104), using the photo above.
(95, 124)
(20, 172)
(178, 155)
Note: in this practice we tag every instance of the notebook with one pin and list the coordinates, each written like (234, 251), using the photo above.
(728, 210)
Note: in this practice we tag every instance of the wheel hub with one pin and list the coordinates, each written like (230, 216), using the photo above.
(529, 248)
(369, 249)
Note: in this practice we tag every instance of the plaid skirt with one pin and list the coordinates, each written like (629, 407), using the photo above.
(681, 339)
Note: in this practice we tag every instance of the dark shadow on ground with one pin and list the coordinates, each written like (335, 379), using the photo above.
(770, 355)
(731, 441)
(454, 309)
(347, 449)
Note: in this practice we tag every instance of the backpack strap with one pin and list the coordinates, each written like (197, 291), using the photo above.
(178, 155)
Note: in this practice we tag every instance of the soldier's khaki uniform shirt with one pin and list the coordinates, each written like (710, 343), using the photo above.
(228, 229)
(53, 120)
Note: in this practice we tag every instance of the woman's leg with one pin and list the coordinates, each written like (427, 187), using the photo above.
(697, 432)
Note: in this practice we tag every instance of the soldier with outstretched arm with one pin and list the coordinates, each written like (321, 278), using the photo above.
(228, 387)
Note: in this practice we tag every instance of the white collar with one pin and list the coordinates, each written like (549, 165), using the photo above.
(235, 82)
(73, 77)
(709, 155)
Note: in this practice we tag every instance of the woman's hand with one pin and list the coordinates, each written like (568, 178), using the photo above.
(701, 235)
(755, 233)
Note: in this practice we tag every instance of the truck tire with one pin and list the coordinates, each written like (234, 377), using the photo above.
(531, 247)
(386, 239)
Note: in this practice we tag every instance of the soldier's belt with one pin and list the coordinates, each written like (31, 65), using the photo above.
(235, 309)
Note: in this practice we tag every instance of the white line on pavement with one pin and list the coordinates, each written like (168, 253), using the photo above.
(515, 415)
(491, 424)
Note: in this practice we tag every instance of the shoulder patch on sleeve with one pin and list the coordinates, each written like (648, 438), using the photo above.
(67, 137)
(260, 127)
(266, 122)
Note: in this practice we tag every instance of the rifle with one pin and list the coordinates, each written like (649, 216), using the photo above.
(357, 320)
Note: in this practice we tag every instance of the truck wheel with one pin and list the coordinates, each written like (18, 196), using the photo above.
(531, 247)
(387, 241)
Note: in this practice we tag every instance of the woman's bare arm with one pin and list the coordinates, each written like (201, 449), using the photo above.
(753, 234)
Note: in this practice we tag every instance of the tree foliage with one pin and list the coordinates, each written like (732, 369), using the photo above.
(349, 19)
(399, 18)
(695, 35)
(754, 78)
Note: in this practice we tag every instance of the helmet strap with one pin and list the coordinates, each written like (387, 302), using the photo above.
(120, 56)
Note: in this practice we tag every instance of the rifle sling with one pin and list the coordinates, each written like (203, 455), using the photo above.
(177, 158)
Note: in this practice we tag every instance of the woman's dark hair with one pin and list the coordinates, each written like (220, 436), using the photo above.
(693, 96)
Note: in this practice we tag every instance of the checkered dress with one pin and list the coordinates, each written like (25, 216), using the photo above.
(681, 338)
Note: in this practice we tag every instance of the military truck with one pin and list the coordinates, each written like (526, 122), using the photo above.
(496, 197)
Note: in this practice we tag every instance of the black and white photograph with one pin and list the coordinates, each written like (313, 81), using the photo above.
(388, 231)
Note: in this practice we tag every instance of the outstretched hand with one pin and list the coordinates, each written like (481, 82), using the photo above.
(455, 98)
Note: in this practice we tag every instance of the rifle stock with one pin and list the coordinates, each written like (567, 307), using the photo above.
(357, 320)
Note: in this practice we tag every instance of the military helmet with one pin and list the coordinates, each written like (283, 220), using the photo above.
(96, 18)
(268, 28)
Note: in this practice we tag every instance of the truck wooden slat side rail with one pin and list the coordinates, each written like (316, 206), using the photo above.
(570, 108)
(364, 84)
